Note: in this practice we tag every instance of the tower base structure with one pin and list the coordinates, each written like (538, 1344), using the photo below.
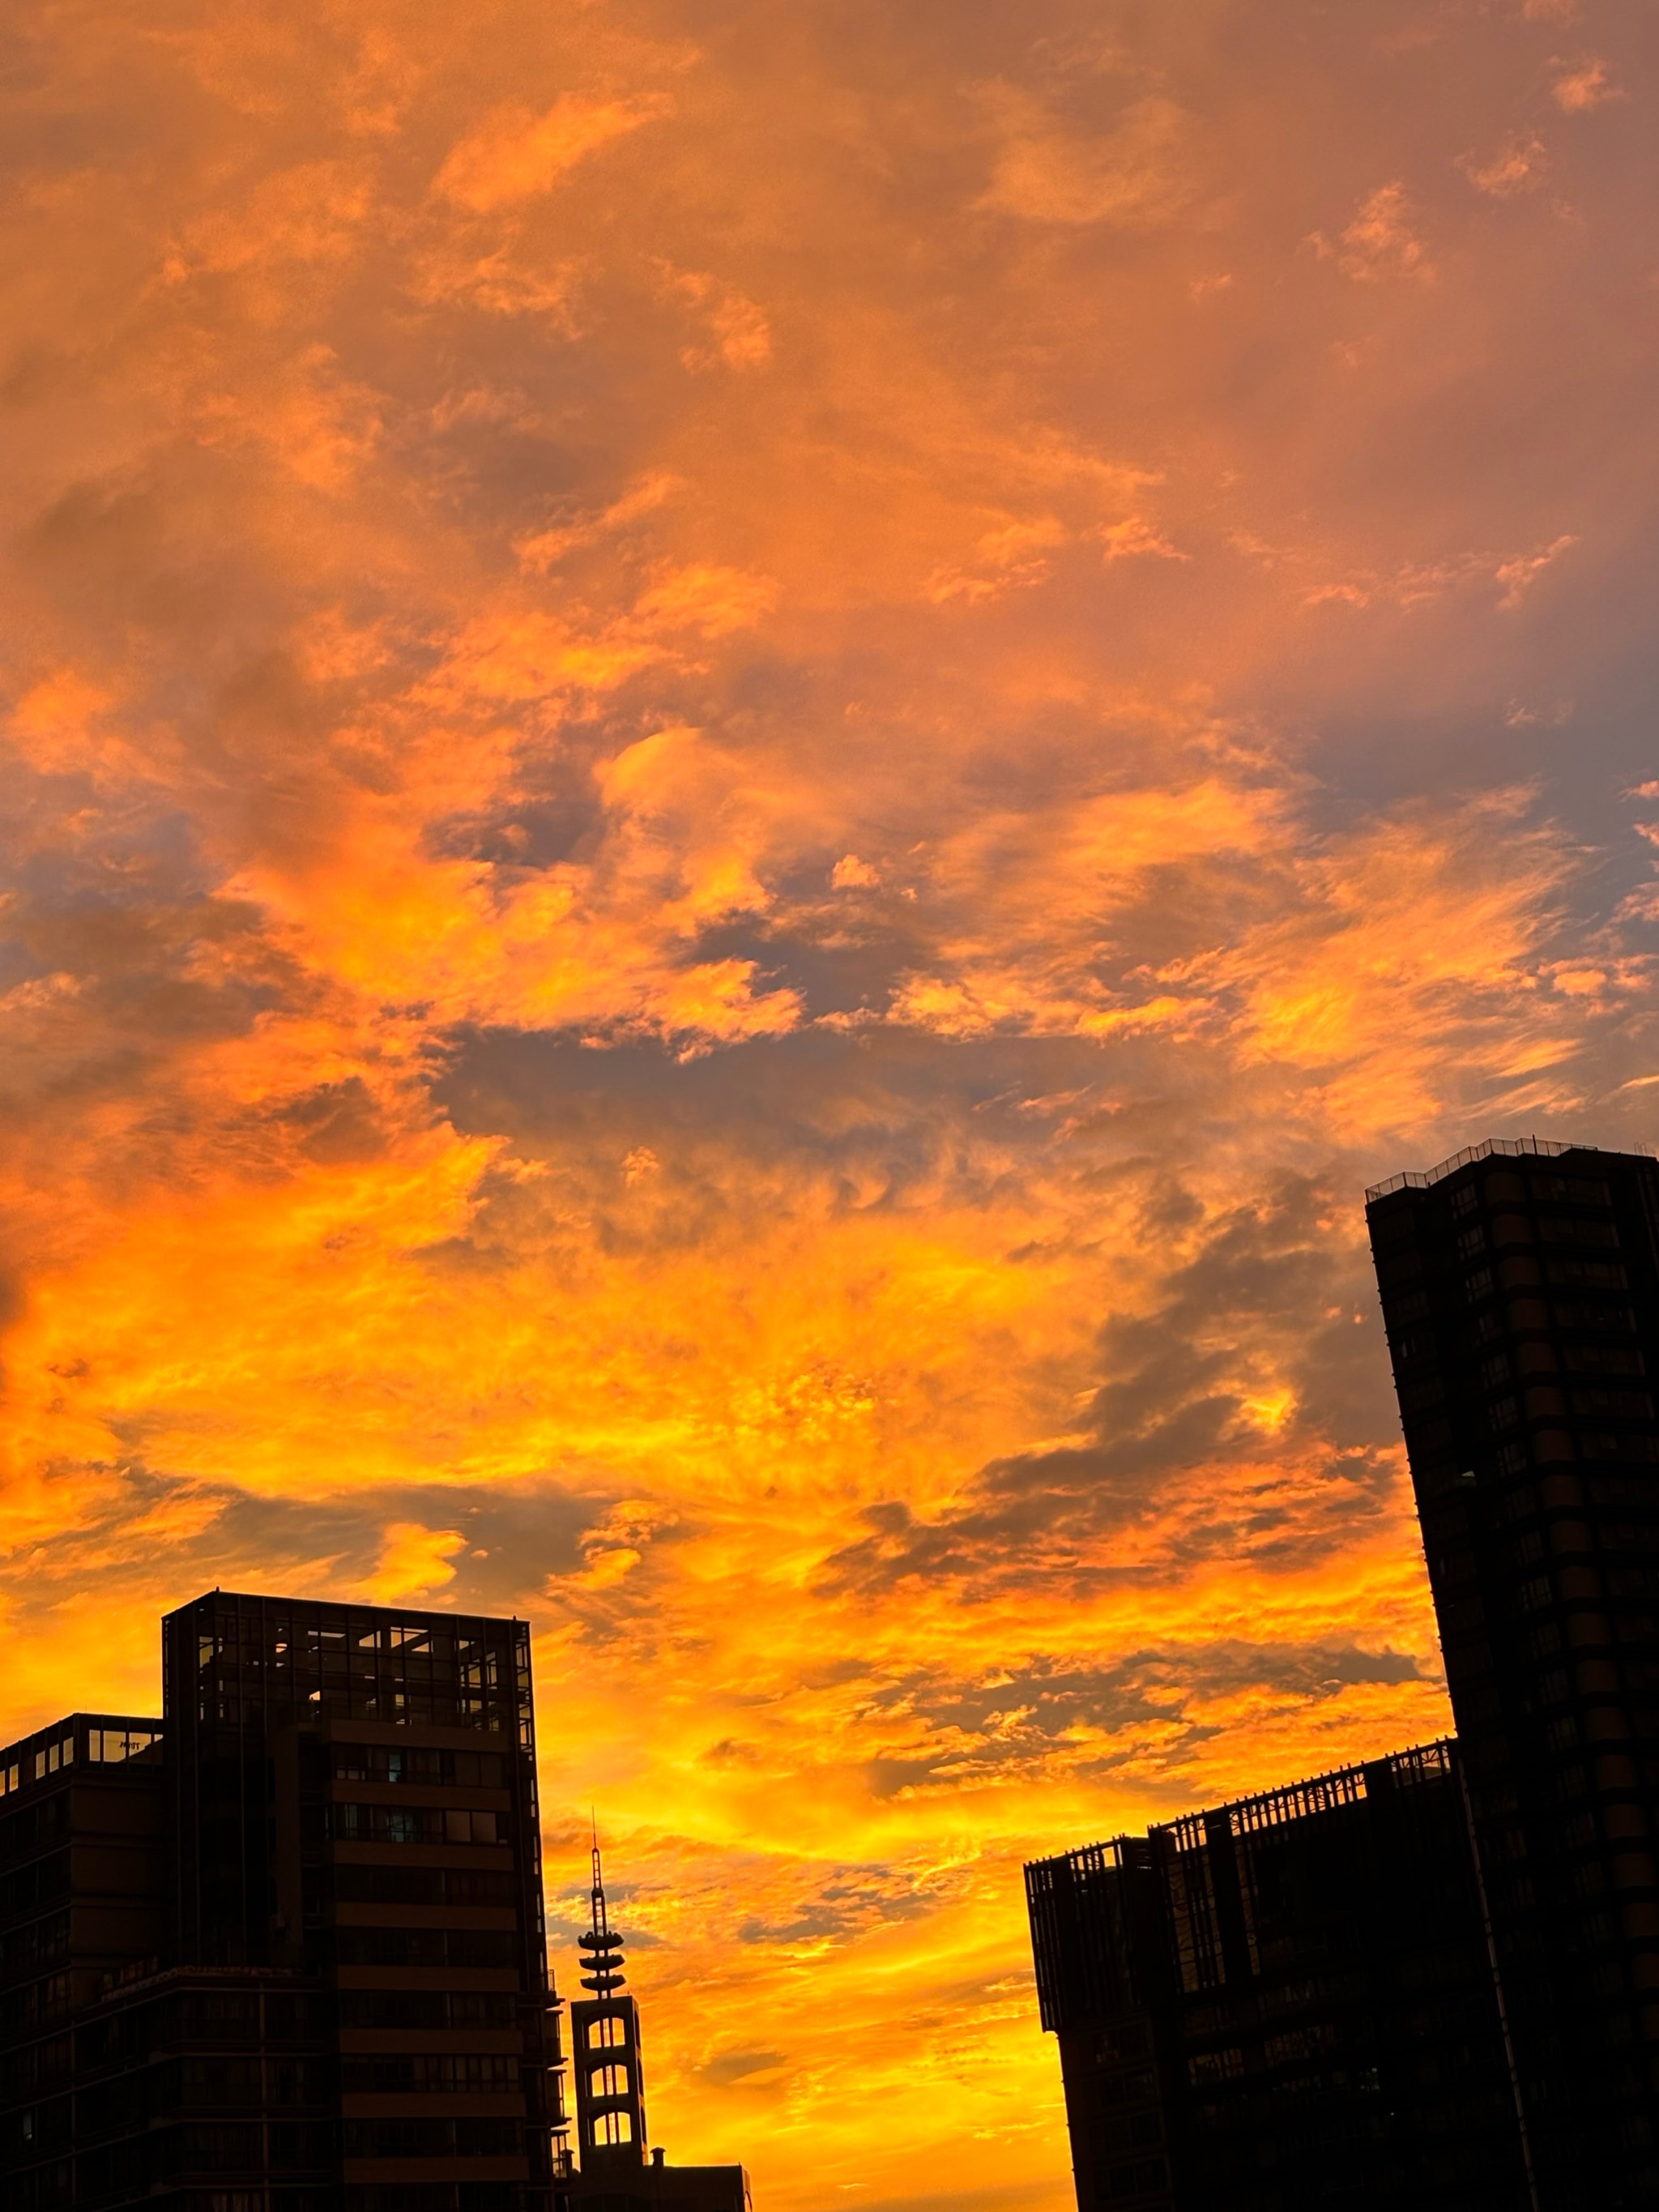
(659, 2186)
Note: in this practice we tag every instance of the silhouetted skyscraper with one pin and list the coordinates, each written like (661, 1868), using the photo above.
(1521, 1291)
(281, 1951)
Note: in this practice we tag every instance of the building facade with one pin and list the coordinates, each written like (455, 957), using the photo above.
(283, 1950)
(1283, 2004)
(1520, 1289)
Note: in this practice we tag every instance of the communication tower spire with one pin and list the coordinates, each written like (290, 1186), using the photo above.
(610, 2090)
(605, 2027)
(602, 1944)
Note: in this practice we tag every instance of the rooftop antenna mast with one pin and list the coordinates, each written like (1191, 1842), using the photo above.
(602, 1944)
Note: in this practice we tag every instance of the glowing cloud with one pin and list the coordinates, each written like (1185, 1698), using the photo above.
(515, 154)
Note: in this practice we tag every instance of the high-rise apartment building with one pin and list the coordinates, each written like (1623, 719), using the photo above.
(282, 1950)
(1521, 1293)
(1283, 2004)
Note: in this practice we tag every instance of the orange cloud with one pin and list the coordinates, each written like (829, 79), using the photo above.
(1515, 167)
(1133, 173)
(1380, 241)
(1580, 85)
(515, 154)
(414, 1563)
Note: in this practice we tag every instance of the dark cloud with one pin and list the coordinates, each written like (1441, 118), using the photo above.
(1143, 1718)
(1274, 1303)
(223, 1536)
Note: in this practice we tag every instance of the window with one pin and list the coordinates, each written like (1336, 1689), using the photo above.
(1576, 1230)
(113, 1746)
(427, 1947)
(1227, 2065)
(467, 1770)
(1597, 1446)
(61, 1754)
(1598, 1274)
(394, 1635)
(605, 2034)
(468, 1827)
(421, 1885)
(428, 2072)
(1632, 1405)
(1557, 1188)
(426, 2008)
(1604, 1360)
(1580, 1313)
(432, 2138)
(613, 2128)
(412, 1824)
(608, 2082)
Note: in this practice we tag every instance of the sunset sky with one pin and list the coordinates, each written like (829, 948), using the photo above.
(753, 752)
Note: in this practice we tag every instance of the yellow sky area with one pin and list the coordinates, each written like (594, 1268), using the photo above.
(749, 757)
(195, 1291)
(918, 2005)
(770, 1742)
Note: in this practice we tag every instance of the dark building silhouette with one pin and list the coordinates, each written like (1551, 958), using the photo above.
(1459, 2003)
(604, 2027)
(282, 1950)
(618, 2171)
(1283, 2004)
(83, 1861)
(1520, 1293)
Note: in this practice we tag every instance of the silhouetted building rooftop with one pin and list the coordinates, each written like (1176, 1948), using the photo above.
(1284, 2002)
(281, 1950)
(1433, 1979)
(1520, 1290)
